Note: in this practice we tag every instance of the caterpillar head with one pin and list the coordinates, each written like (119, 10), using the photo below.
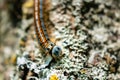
(56, 52)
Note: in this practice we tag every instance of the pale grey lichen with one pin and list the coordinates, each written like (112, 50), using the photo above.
(88, 41)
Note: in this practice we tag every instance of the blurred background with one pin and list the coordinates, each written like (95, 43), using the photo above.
(12, 13)
(97, 22)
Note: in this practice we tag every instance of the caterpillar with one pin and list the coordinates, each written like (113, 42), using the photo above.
(40, 28)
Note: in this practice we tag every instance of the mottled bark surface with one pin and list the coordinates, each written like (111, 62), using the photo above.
(87, 30)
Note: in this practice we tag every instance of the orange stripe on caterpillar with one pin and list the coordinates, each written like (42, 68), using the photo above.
(41, 32)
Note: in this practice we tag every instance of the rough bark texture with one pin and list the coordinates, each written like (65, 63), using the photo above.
(87, 30)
